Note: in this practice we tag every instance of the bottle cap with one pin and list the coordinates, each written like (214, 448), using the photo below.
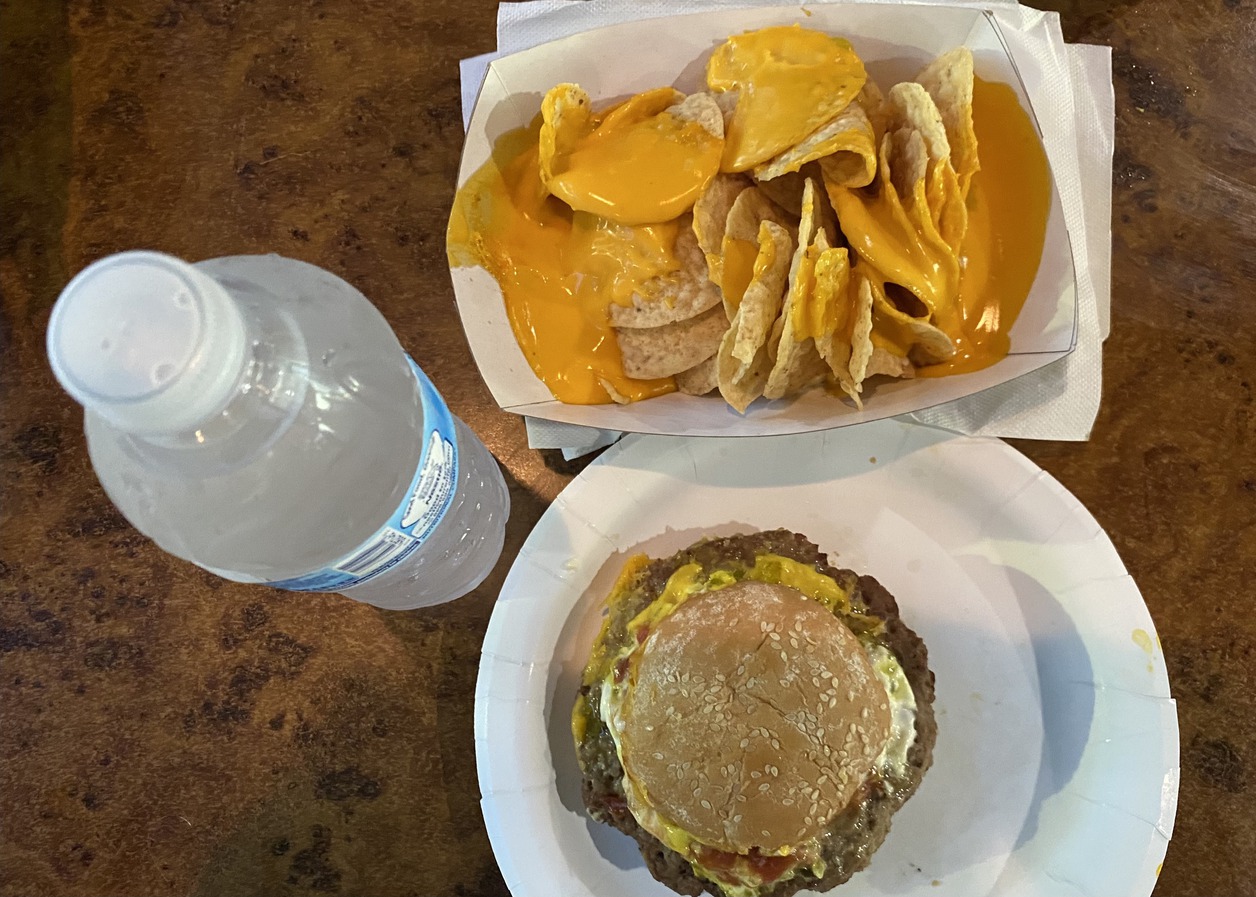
(148, 342)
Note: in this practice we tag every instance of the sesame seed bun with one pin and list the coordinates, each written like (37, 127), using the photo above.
(783, 717)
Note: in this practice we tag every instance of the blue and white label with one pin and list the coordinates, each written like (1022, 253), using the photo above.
(429, 497)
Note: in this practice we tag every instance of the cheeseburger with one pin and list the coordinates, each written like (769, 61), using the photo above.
(752, 716)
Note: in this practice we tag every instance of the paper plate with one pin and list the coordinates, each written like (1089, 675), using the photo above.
(1056, 765)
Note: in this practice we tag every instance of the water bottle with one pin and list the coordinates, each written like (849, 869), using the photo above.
(256, 415)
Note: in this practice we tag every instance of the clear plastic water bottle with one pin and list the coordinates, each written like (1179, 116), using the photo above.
(257, 416)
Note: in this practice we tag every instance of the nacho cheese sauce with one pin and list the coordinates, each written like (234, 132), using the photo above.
(641, 165)
(900, 242)
(1007, 226)
(557, 270)
(789, 82)
(560, 270)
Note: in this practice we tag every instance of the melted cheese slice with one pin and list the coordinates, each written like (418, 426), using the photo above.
(788, 81)
(558, 271)
(636, 164)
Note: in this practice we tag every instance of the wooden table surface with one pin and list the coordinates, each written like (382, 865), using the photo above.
(166, 732)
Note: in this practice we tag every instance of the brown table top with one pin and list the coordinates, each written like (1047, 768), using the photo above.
(167, 732)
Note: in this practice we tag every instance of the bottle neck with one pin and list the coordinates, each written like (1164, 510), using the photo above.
(148, 342)
(268, 395)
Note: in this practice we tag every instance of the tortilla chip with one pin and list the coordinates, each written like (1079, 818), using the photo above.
(927, 343)
(910, 162)
(681, 294)
(797, 363)
(710, 217)
(740, 384)
(727, 101)
(771, 113)
(566, 118)
(887, 364)
(616, 396)
(872, 100)
(786, 190)
(649, 353)
(833, 307)
(845, 144)
(912, 107)
(761, 303)
(860, 339)
(701, 108)
(740, 247)
(700, 379)
(640, 107)
(949, 80)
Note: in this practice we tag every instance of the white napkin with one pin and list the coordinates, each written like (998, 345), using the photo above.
(1059, 401)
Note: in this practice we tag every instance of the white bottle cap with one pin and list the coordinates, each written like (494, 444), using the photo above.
(148, 342)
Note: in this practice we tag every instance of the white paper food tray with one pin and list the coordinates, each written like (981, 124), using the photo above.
(895, 42)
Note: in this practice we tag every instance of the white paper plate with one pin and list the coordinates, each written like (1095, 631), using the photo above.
(1056, 765)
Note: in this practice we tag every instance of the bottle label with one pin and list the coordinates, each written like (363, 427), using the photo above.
(429, 497)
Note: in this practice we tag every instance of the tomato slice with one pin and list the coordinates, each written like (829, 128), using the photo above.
(761, 867)
(621, 669)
